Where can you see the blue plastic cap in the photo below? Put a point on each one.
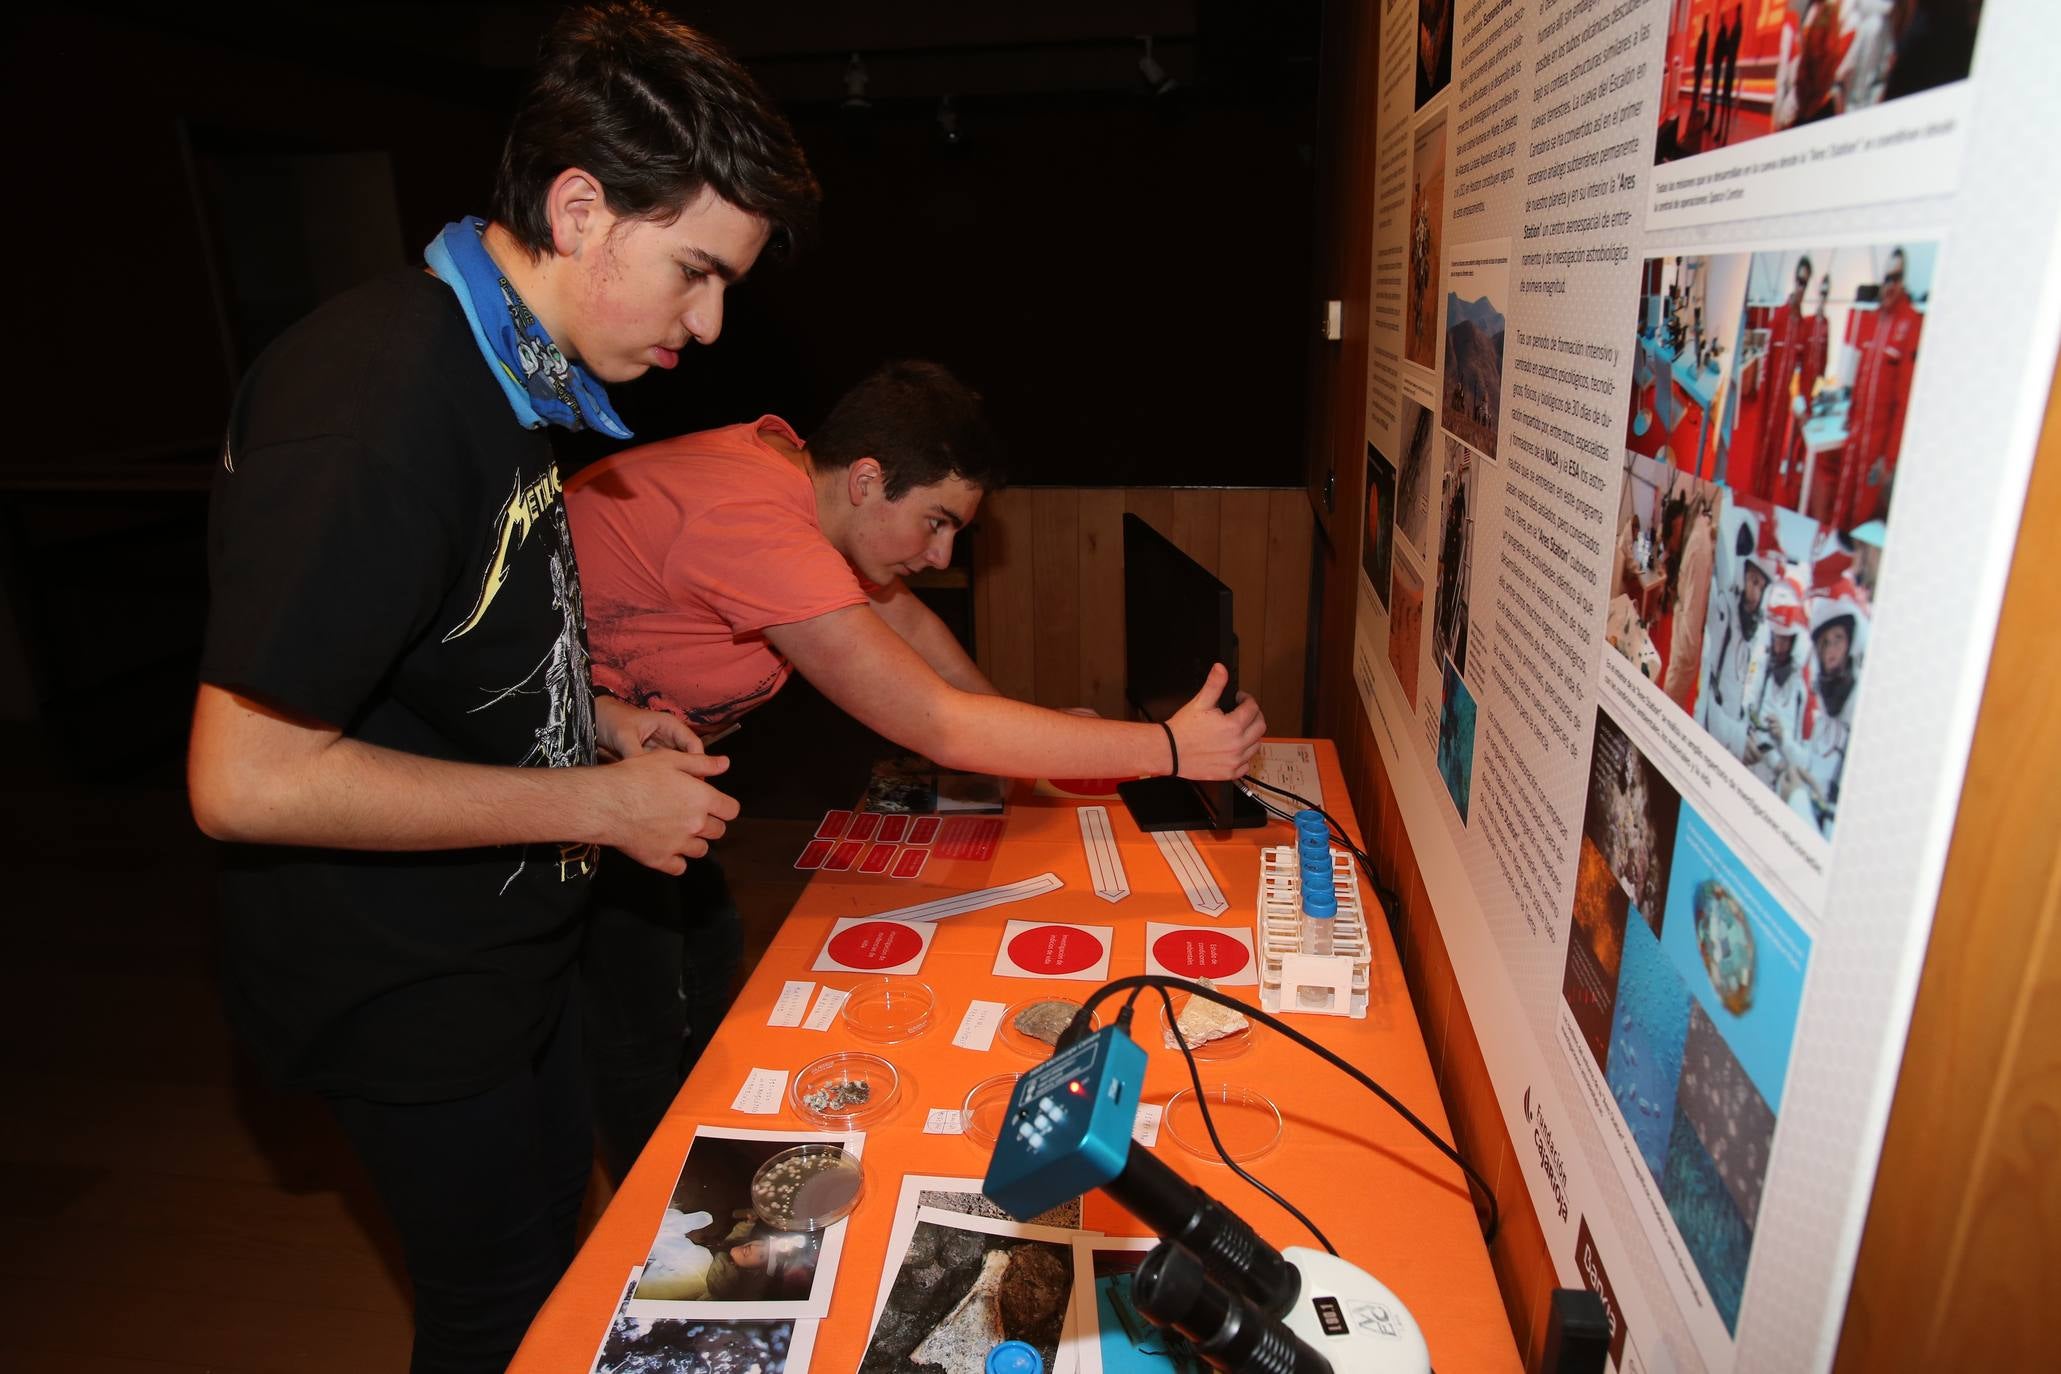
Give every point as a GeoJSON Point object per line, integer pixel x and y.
{"type": "Point", "coordinates": [1309, 822]}
{"type": "Point", "coordinates": [1322, 905]}
{"type": "Point", "coordinates": [1015, 1357]}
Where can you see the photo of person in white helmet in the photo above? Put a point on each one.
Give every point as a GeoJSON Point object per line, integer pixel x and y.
{"type": "Point", "coordinates": [1775, 702]}
{"type": "Point", "coordinates": [1838, 631]}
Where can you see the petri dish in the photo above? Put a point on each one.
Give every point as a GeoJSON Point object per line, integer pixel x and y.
{"type": "Point", "coordinates": [807, 1188]}
{"type": "Point", "coordinates": [1046, 1015]}
{"type": "Point", "coordinates": [1247, 1122]}
{"type": "Point", "coordinates": [846, 1090]}
{"type": "Point", "coordinates": [888, 1010]}
{"type": "Point", "coordinates": [986, 1105]}
{"type": "Point", "coordinates": [1220, 1047]}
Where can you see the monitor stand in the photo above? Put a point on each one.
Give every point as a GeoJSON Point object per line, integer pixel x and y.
{"type": "Point", "coordinates": [1175, 804]}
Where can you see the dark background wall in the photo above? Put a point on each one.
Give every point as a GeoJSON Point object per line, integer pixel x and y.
{"type": "Point", "coordinates": [1126, 274]}
{"type": "Point", "coordinates": [1123, 273]}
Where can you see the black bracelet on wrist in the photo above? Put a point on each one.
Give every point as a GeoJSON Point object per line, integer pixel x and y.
{"type": "Point", "coordinates": [1172, 749]}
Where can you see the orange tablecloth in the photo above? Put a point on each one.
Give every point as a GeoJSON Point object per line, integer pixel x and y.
{"type": "Point", "coordinates": [1384, 1195]}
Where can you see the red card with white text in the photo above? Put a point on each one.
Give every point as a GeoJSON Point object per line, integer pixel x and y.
{"type": "Point", "coordinates": [865, 826]}
{"type": "Point", "coordinates": [894, 829]}
{"type": "Point", "coordinates": [1046, 949]}
{"type": "Point", "coordinates": [878, 857]}
{"type": "Point", "coordinates": [923, 830]}
{"type": "Point", "coordinates": [814, 853]}
{"type": "Point", "coordinates": [969, 837]}
{"type": "Point", "coordinates": [844, 856]}
{"type": "Point", "coordinates": [866, 944]}
{"type": "Point", "coordinates": [833, 826]}
{"type": "Point", "coordinates": [1222, 955]}
{"type": "Point", "coordinates": [911, 862]}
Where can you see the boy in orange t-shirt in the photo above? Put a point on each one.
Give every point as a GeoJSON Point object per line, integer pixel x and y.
{"type": "Point", "coordinates": [716, 564]}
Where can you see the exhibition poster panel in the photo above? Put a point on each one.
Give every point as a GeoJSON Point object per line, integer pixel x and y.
{"type": "Point", "coordinates": [1709, 343]}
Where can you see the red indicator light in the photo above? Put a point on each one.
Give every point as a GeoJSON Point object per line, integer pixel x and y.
{"type": "Point", "coordinates": [1075, 1088]}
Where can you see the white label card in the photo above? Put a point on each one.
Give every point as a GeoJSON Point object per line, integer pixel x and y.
{"type": "Point", "coordinates": [829, 1003]}
{"type": "Point", "coordinates": [1145, 1130]}
{"type": "Point", "coordinates": [794, 1000]}
{"type": "Point", "coordinates": [1291, 766]}
{"type": "Point", "coordinates": [977, 1028]}
{"type": "Point", "coordinates": [762, 1092]}
{"type": "Point", "coordinates": [943, 1121]}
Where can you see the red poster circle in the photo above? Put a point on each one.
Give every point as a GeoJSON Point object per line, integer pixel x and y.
{"type": "Point", "coordinates": [1200, 954]}
{"type": "Point", "coordinates": [876, 944]}
{"type": "Point", "coordinates": [1055, 949]}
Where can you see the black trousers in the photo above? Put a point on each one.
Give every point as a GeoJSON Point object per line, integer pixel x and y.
{"type": "Point", "coordinates": [485, 1191]}
{"type": "Point", "coordinates": [656, 974]}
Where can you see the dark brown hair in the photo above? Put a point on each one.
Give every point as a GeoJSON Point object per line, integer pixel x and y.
{"type": "Point", "coordinates": [654, 111]}
{"type": "Point", "coordinates": [919, 422]}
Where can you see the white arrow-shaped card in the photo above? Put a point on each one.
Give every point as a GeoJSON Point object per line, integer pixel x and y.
{"type": "Point", "coordinates": [1196, 880]}
{"type": "Point", "coordinates": [1105, 860]}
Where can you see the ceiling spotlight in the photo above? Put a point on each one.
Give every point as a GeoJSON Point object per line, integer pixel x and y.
{"type": "Point", "coordinates": [1156, 79]}
{"type": "Point", "coordinates": [855, 80]}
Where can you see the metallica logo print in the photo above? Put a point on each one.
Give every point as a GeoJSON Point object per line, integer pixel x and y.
{"type": "Point", "coordinates": [564, 736]}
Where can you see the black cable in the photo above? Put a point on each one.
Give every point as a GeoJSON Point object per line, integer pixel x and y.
{"type": "Point", "coordinates": [1208, 1123]}
{"type": "Point", "coordinates": [1079, 1025]}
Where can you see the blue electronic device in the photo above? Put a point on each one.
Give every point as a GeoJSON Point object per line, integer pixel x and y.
{"type": "Point", "coordinates": [1069, 1125]}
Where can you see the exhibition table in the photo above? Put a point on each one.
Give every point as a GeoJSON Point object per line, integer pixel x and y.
{"type": "Point", "coordinates": [1385, 1196]}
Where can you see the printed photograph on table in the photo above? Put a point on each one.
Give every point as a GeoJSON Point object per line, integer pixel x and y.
{"type": "Point", "coordinates": [912, 785]}
{"type": "Point", "coordinates": [1736, 70]}
{"type": "Point", "coordinates": [1660, 589]}
{"type": "Point", "coordinates": [1631, 817]}
{"type": "Point", "coordinates": [963, 1285]}
{"type": "Point", "coordinates": [1683, 349]}
{"type": "Point", "coordinates": [689, 1345]}
{"type": "Point", "coordinates": [1456, 739]}
{"type": "Point", "coordinates": [1427, 237]}
{"type": "Point", "coordinates": [1114, 1337]}
{"type": "Point", "coordinates": [1434, 47]}
{"type": "Point", "coordinates": [713, 1256]}
{"type": "Point", "coordinates": [1477, 295]}
{"type": "Point", "coordinates": [1417, 476]}
{"type": "Point", "coordinates": [1456, 517]}
{"type": "Point", "coordinates": [1378, 549]}
{"type": "Point", "coordinates": [952, 1193]}
{"type": "Point", "coordinates": [1406, 629]}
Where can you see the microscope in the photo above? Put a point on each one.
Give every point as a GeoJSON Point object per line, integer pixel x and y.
{"type": "Point", "coordinates": [1246, 1307]}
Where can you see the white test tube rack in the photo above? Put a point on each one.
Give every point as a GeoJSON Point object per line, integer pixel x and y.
{"type": "Point", "coordinates": [1332, 984]}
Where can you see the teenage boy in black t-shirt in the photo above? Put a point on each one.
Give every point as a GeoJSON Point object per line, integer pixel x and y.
{"type": "Point", "coordinates": [395, 716]}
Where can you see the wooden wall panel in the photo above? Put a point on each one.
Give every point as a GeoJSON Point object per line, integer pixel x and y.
{"type": "Point", "coordinates": [1287, 630]}
{"type": "Point", "coordinates": [1102, 606]}
{"type": "Point", "coordinates": [1055, 629]}
{"type": "Point", "coordinates": [1005, 561]}
{"type": "Point", "coordinates": [1048, 588]}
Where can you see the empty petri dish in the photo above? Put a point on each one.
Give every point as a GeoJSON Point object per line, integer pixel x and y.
{"type": "Point", "coordinates": [887, 1010]}
{"type": "Point", "coordinates": [807, 1188]}
{"type": "Point", "coordinates": [1229, 1045]}
{"type": "Point", "coordinates": [1247, 1122]}
{"type": "Point", "coordinates": [845, 1090]}
{"type": "Point", "coordinates": [987, 1103]}
{"type": "Point", "coordinates": [1032, 1027]}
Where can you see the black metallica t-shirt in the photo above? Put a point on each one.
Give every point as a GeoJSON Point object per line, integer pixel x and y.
{"type": "Point", "coordinates": [388, 553]}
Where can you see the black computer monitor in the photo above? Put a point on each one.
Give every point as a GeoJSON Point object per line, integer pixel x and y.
{"type": "Point", "coordinates": [1177, 622]}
